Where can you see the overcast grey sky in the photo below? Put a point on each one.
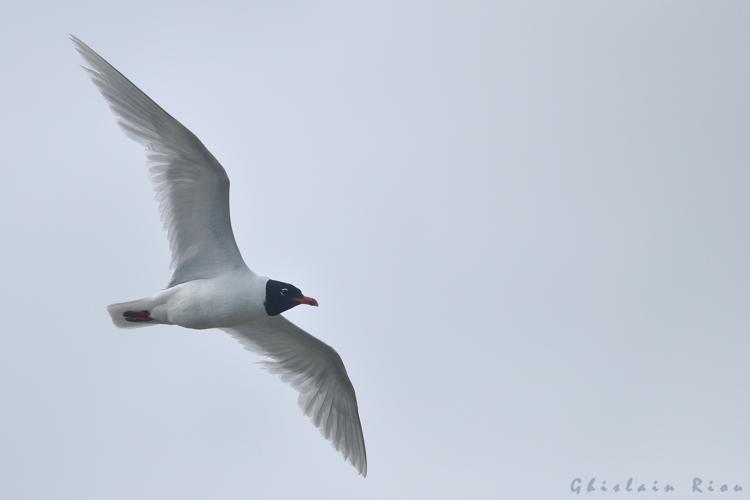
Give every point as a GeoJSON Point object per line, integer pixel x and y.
{"type": "Point", "coordinates": [526, 223]}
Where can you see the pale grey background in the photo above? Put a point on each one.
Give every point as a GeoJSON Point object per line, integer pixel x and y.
{"type": "Point", "coordinates": [526, 223]}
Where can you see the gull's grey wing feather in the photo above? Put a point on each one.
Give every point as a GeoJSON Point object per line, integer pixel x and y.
{"type": "Point", "coordinates": [191, 185]}
{"type": "Point", "coordinates": [315, 369]}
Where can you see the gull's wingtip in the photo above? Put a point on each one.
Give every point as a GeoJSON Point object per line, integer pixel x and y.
{"type": "Point", "coordinates": [80, 46]}
{"type": "Point", "coordinates": [361, 467]}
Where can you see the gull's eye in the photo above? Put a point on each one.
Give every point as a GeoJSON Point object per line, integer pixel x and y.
{"type": "Point", "coordinates": [284, 291]}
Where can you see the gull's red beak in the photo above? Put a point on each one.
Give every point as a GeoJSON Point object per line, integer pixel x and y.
{"type": "Point", "coordinates": [307, 300]}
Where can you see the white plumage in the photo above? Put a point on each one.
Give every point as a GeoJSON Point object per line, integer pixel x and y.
{"type": "Point", "coordinates": [211, 287]}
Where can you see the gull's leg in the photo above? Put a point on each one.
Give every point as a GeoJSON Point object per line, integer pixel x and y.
{"type": "Point", "coordinates": [137, 316]}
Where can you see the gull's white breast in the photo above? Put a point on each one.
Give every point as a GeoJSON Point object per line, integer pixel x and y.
{"type": "Point", "coordinates": [226, 300]}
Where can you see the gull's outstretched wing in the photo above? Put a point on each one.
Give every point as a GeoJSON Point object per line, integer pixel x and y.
{"type": "Point", "coordinates": [326, 394]}
{"type": "Point", "coordinates": [191, 185]}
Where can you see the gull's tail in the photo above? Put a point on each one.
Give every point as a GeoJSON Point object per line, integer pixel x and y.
{"type": "Point", "coordinates": [133, 314]}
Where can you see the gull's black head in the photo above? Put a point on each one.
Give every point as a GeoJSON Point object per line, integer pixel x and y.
{"type": "Point", "coordinates": [281, 297]}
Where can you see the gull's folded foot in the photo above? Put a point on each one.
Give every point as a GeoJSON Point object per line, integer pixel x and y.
{"type": "Point", "coordinates": [137, 316]}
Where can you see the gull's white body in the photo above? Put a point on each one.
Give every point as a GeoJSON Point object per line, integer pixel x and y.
{"type": "Point", "coordinates": [211, 287]}
{"type": "Point", "coordinates": [224, 301]}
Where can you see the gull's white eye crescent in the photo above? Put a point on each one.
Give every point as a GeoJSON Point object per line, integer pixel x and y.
{"type": "Point", "coordinates": [284, 290]}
